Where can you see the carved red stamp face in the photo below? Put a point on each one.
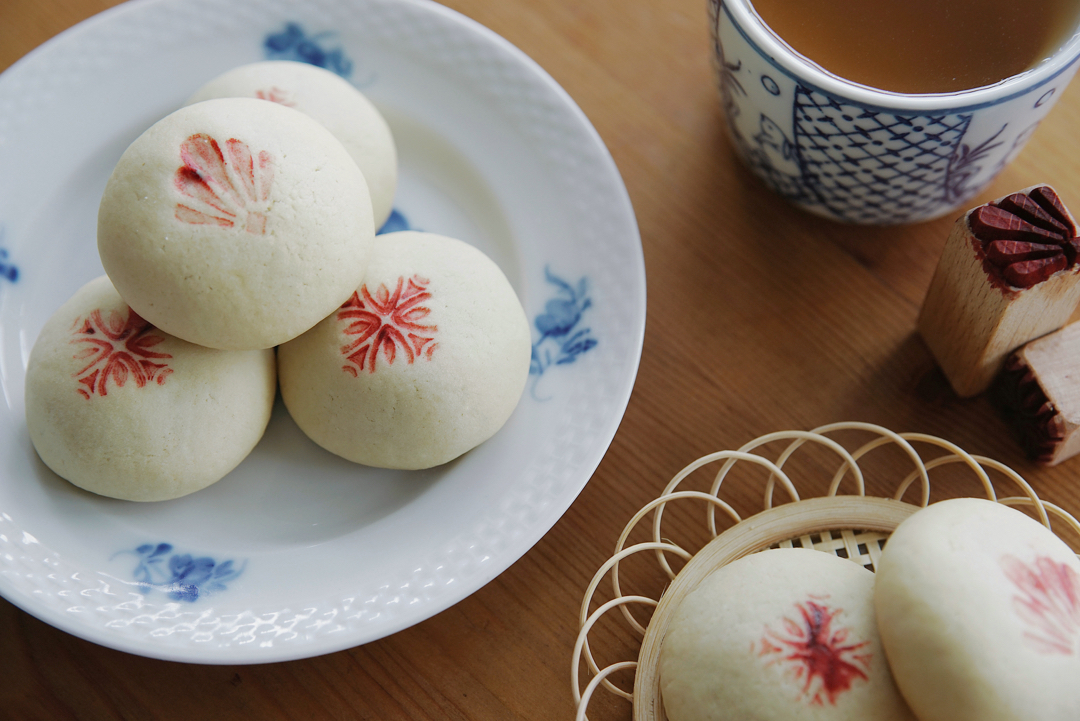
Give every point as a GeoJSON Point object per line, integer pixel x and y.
{"type": "Point", "coordinates": [815, 651]}
{"type": "Point", "coordinates": [116, 349]}
{"type": "Point", "coordinates": [385, 322]}
{"type": "Point", "coordinates": [227, 188]}
{"type": "Point", "coordinates": [1048, 601]}
{"type": "Point", "coordinates": [276, 95]}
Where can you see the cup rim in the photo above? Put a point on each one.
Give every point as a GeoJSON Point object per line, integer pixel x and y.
{"type": "Point", "coordinates": [784, 58]}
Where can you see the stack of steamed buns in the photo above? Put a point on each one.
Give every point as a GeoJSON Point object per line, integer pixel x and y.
{"type": "Point", "coordinates": [973, 614]}
{"type": "Point", "coordinates": [242, 223]}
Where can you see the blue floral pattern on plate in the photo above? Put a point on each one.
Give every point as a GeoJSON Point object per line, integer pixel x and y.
{"type": "Point", "coordinates": [395, 223]}
{"type": "Point", "coordinates": [182, 576]}
{"type": "Point", "coordinates": [561, 340]}
{"type": "Point", "coordinates": [8, 271]}
{"type": "Point", "coordinates": [293, 43]}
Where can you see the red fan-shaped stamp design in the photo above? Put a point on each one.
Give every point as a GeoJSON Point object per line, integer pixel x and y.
{"type": "Point", "coordinates": [816, 652]}
{"type": "Point", "coordinates": [1048, 602]}
{"type": "Point", "coordinates": [116, 349]}
{"type": "Point", "coordinates": [227, 187]}
{"type": "Point", "coordinates": [276, 95]}
{"type": "Point", "coordinates": [385, 322]}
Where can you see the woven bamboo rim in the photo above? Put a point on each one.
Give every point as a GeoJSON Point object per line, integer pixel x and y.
{"type": "Point", "coordinates": [855, 526]}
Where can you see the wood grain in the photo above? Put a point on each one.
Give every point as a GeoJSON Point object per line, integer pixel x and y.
{"type": "Point", "coordinates": [760, 318]}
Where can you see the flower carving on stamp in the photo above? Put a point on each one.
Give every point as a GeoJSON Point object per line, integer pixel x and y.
{"type": "Point", "coordinates": [117, 349]}
{"type": "Point", "coordinates": [1047, 601]}
{"type": "Point", "coordinates": [817, 652]}
{"type": "Point", "coordinates": [387, 321]}
{"type": "Point", "coordinates": [227, 187]}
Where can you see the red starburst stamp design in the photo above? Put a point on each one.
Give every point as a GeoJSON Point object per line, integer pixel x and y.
{"type": "Point", "coordinates": [387, 321]}
{"type": "Point", "coordinates": [815, 653]}
{"type": "Point", "coordinates": [1048, 602]}
{"type": "Point", "coordinates": [224, 188]}
{"type": "Point", "coordinates": [276, 95]}
{"type": "Point", "coordinates": [116, 349]}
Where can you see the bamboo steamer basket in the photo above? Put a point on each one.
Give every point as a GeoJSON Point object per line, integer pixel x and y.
{"type": "Point", "coordinates": [854, 526]}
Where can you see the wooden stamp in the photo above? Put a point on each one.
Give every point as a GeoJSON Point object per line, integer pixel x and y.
{"type": "Point", "coordinates": [1039, 392]}
{"type": "Point", "coordinates": [1008, 274]}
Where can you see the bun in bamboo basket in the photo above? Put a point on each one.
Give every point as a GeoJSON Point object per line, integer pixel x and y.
{"type": "Point", "coordinates": [854, 526]}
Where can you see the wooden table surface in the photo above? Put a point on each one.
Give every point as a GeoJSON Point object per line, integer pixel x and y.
{"type": "Point", "coordinates": [760, 318]}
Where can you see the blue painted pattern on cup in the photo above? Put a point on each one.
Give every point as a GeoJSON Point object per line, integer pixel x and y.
{"type": "Point", "coordinates": [860, 155]}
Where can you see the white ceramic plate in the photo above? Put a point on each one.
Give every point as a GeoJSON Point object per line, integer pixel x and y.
{"type": "Point", "coordinates": [298, 553]}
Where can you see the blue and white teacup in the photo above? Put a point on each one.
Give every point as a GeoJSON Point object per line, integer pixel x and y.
{"type": "Point", "coordinates": [860, 155]}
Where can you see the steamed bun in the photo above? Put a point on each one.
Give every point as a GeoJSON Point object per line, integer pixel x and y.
{"type": "Point", "coordinates": [778, 635]}
{"type": "Point", "coordinates": [979, 610]}
{"type": "Point", "coordinates": [235, 223]}
{"type": "Point", "coordinates": [426, 360]}
{"type": "Point", "coordinates": [334, 103]}
{"type": "Point", "coordinates": [122, 409]}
